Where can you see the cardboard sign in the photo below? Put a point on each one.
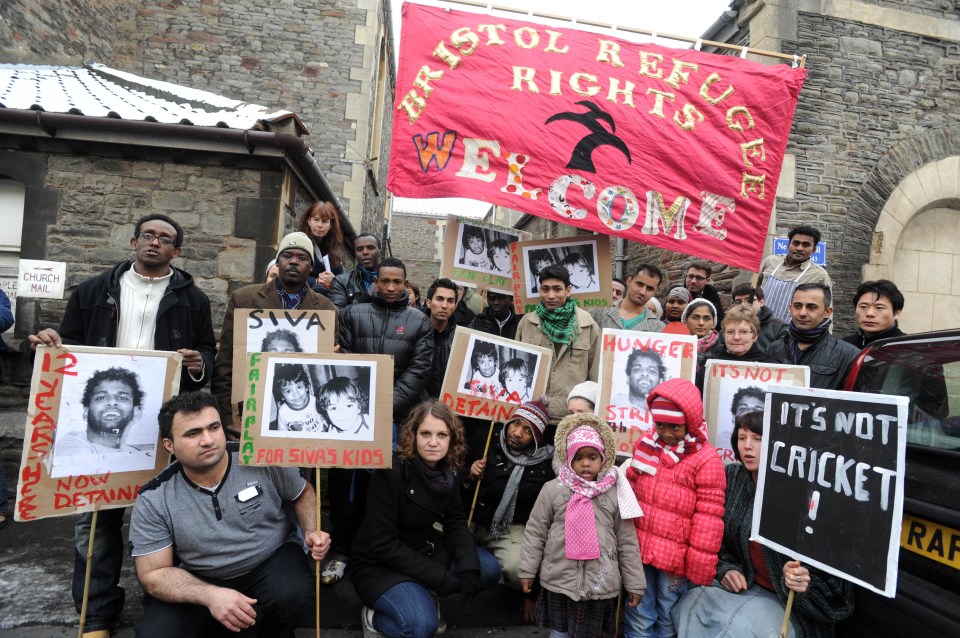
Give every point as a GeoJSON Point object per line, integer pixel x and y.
{"type": "Point", "coordinates": [830, 489]}
{"type": "Point", "coordinates": [41, 279]}
{"type": "Point", "coordinates": [488, 376]}
{"type": "Point", "coordinates": [631, 364]}
{"type": "Point", "coordinates": [587, 259]}
{"type": "Point", "coordinates": [478, 255]}
{"type": "Point", "coordinates": [257, 330]}
{"type": "Point", "coordinates": [326, 410]}
{"type": "Point", "coordinates": [92, 436]}
{"type": "Point", "coordinates": [731, 388]}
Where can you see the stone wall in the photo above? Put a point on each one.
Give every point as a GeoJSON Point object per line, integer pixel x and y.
{"type": "Point", "coordinates": [60, 32]}
{"type": "Point", "coordinates": [415, 240]}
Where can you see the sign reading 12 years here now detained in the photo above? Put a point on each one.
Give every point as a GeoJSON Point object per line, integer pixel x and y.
{"type": "Point", "coordinates": [675, 148]}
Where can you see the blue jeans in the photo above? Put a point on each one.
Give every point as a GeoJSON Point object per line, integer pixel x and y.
{"type": "Point", "coordinates": [651, 618]}
{"type": "Point", "coordinates": [407, 610]}
{"type": "Point", "coordinates": [105, 600]}
{"type": "Point", "coordinates": [713, 612]}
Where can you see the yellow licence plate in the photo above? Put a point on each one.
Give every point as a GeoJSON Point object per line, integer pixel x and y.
{"type": "Point", "coordinates": [934, 541]}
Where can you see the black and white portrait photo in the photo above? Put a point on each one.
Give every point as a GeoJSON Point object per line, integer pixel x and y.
{"type": "Point", "coordinates": [320, 400]}
{"type": "Point", "coordinates": [580, 260]}
{"type": "Point", "coordinates": [108, 416]}
{"type": "Point", "coordinates": [497, 371]}
{"type": "Point", "coordinates": [484, 250]}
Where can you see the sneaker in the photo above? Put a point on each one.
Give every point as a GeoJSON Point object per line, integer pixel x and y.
{"type": "Point", "coordinates": [366, 621]}
{"type": "Point", "coordinates": [441, 623]}
{"type": "Point", "coordinates": [333, 572]}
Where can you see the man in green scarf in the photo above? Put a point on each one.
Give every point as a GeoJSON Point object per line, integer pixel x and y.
{"type": "Point", "coordinates": [570, 332]}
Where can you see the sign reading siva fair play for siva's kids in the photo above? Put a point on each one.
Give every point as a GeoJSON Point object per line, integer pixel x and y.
{"type": "Point", "coordinates": [586, 259]}
{"type": "Point", "coordinates": [731, 389]}
{"type": "Point", "coordinates": [494, 375]}
{"type": "Point", "coordinates": [92, 437]}
{"type": "Point", "coordinates": [257, 330]}
{"type": "Point", "coordinates": [830, 489]}
{"type": "Point", "coordinates": [632, 363]}
{"type": "Point", "coordinates": [675, 148]}
{"type": "Point", "coordinates": [478, 255]}
{"type": "Point", "coordinates": [318, 410]}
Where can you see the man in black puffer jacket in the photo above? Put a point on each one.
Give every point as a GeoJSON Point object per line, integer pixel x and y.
{"type": "Point", "coordinates": [387, 324]}
{"type": "Point", "coordinates": [441, 303]}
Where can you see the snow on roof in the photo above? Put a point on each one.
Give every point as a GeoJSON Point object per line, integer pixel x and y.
{"type": "Point", "coordinates": [96, 90]}
{"type": "Point", "coordinates": [441, 207]}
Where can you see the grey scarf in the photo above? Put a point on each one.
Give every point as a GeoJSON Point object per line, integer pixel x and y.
{"type": "Point", "coordinates": [503, 517]}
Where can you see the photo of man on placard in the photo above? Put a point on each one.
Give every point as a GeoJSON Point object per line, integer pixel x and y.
{"type": "Point", "coordinates": [643, 371]}
{"type": "Point", "coordinates": [320, 400]}
{"type": "Point", "coordinates": [114, 435]}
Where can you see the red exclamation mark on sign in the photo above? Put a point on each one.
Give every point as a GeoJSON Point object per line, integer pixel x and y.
{"type": "Point", "coordinates": [812, 509]}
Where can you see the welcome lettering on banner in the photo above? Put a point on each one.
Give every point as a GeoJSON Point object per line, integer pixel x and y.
{"type": "Point", "coordinates": [669, 147]}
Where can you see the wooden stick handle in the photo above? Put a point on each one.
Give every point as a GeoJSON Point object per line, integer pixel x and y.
{"type": "Point", "coordinates": [316, 483]}
{"type": "Point", "coordinates": [476, 490]}
{"type": "Point", "coordinates": [786, 615]}
{"type": "Point", "coordinates": [86, 576]}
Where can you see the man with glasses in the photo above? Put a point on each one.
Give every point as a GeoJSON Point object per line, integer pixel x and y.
{"type": "Point", "coordinates": [698, 283]}
{"type": "Point", "coordinates": [781, 274]}
{"type": "Point", "coordinates": [139, 304]}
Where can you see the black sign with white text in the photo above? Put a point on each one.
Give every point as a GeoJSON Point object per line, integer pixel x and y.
{"type": "Point", "coordinates": [830, 489]}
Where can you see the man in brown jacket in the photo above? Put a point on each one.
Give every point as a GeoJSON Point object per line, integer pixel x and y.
{"type": "Point", "coordinates": [570, 332]}
{"type": "Point", "coordinates": [288, 291]}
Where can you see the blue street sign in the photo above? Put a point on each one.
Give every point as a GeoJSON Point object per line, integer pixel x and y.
{"type": "Point", "coordinates": [819, 256]}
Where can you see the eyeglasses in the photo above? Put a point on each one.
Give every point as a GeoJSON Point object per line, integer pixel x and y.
{"type": "Point", "coordinates": [697, 277]}
{"type": "Point", "coordinates": [149, 237]}
{"type": "Point", "coordinates": [737, 333]}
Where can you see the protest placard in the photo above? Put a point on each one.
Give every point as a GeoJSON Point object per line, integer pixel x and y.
{"type": "Point", "coordinates": [732, 388]}
{"type": "Point", "coordinates": [258, 330]}
{"type": "Point", "coordinates": [478, 255]}
{"type": "Point", "coordinates": [587, 260]}
{"type": "Point", "coordinates": [676, 148]}
{"type": "Point", "coordinates": [318, 410]}
{"type": "Point", "coordinates": [92, 436]}
{"type": "Point", "coordinates": [830, 488]}
{"type": "Point", "coordinates": [488, 376]}
{"type": "Point", "coordinates": [631, 364]}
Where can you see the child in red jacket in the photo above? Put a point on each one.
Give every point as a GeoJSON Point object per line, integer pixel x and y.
{"type": "Point", "coordinates": [679, 482]}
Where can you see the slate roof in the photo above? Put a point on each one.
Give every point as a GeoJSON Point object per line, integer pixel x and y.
{"type": "Point", "coordinates": [98, 91]}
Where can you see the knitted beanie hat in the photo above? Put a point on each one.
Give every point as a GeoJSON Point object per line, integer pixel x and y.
{"type": "Point", "coordinates": [679, 291]}
{"type": "Point", "coordinates": [535, 412]}
{"type": "Point", "coordinates": [586, 390]}
{"type": "Point", "coordinates": [296, 240]}
{"type": "Point", "coordinates": [664, 410]}
{"type": "Point", "coordinates": [584, 436]}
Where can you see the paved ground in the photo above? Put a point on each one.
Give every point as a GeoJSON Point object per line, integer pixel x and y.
{"type": "Point", "coordinates": [36, 562]}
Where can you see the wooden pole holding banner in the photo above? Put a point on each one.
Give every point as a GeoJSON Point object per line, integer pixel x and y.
{"type": "Point", "coordinates": [476, 490]}
{"type": "Point", "coordinates": [316, 484]}
{"type": "Point", "coordinates": [786, 615]}
{"type": "Point", "coordinates": [86, 576]}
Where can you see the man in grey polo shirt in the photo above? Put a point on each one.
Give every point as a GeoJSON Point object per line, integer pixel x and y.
{"type": "Point", "coordinates": [239, 562]}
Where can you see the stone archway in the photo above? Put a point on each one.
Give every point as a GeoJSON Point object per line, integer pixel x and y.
{"type": "Point", "coordinates": [916, 244]}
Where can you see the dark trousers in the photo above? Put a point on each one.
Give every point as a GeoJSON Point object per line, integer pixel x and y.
{"type": "Point", "coordinates": [105, 599]}
{"type": "Point", "coordinates": [281, 585]}
{"type": "Point", "coordinates": [348, 507]}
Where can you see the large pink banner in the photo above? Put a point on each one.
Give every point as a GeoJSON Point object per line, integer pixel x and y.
{"type": "Point", "coordinates": [669, 147]}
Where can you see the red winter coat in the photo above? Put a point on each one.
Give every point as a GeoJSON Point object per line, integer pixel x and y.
{"type": "Point", "coordinates": [682, 523]}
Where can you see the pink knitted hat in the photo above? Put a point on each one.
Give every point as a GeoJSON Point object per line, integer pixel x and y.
{"type": "Point", "coordinates": [584, 436]}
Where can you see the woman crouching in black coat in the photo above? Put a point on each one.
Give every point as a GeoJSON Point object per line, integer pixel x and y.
{"type": "Point", "coordinates": [400, 557]}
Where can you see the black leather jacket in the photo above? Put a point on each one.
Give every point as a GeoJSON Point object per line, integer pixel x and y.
{"type": "Point", "coordinates": [829, 359]}
{"type": "Point", "coordinates": [346, 288]}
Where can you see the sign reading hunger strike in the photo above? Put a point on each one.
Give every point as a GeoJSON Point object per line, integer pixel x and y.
{"type": "Point", "coordinates": [830, 489]}
{"type": "Point", "coordinates": [631, 365]}
{"type": "Point", "coordinates": [675, 148]}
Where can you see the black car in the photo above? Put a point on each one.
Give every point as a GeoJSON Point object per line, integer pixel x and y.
{"type": "Point", "coordinates": [925, 368]}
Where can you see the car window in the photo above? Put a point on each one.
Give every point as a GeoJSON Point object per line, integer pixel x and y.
{"type": "Point", "coordinates": [929, 375]}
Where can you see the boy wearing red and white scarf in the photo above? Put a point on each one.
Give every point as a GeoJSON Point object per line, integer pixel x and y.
{"type": "Point", "coordinates": [579, 537]}
{"type": "Point", "coordinates": [679, 482]}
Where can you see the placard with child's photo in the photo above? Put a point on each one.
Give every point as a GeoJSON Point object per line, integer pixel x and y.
{"type": "Point", "coordinates": [633, 363]}
{"type": "Point", "coordinates": [259, 330]}
{"type": "Point", "coordinates": [478, 255]}
{"type": "Point", "coordinates": [586, 260]}
{"type": "Point", "coordinates": [319, 410]}
{"type": "Point", "coordinates": [92, 423]}
{"type": "Point", "coordinates": [488, 375]}
{"type": "Point", "coordinates": [731, 389]}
